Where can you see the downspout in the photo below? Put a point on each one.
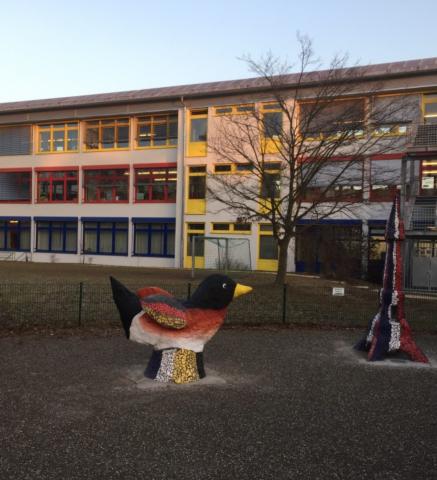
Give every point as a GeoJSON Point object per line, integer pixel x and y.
{"type": "Point", "coordinates": [180, 195]}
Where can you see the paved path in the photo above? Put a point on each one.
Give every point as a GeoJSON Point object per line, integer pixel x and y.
{"type": "Point", "coordinates": [278, 405]}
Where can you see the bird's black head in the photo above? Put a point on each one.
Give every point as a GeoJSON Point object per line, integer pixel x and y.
{"type": "Point", "coordinates": [216, 292]}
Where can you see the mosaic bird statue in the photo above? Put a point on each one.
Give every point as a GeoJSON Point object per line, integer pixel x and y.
{"type": "Point", "coordinates": [178, 330]}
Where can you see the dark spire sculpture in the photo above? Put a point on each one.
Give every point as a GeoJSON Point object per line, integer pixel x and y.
{"type": "Point", "coordinates": [389, 332]}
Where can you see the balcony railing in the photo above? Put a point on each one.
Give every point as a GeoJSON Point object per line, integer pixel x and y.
{"type": "Point", "coordinates": [422, 137]}
{"type": "Point", "coordinates": [423, 218]}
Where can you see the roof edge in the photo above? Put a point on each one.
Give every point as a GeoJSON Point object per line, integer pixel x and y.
{"type": "Point", "coordinates": [409, 68]}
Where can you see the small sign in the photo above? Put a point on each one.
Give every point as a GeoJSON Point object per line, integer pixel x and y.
{"type": "Point", "coordinates": [338, 291]}
{"type": "Point", "coordinates": [427, 182]}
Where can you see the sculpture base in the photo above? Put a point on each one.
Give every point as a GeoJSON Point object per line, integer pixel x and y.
{"type": "Point", "coordinates": [175, 365]}
{"type": "Point", "coordinates": [379, 345]}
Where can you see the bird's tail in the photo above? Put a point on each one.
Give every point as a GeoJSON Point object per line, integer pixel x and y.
{"type": "Point", "coordinates": [127, 302]}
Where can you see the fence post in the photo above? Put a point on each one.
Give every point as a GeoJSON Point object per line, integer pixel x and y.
{"type": "Point", "coordinates": [189, 290]}
{"type": "Point", "coordinates": [80, 304]}
{"type": "Point", "coordinates": [284, 303]}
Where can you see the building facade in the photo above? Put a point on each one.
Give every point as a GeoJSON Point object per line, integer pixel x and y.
{"type": "Point", "coordinates": [121, 179]}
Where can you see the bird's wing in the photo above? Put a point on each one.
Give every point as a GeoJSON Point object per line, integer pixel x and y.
{"type": "Point", "coordinates": [165, 310]}
{"type": "Point", "coordinates": [147, 291]}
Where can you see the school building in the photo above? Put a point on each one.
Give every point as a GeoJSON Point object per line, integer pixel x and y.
{"type": "Point", "coordinates": [121, 178]}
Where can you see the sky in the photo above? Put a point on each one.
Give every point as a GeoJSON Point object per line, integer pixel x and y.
{"type": "Point", "coordinates": [57, 48]}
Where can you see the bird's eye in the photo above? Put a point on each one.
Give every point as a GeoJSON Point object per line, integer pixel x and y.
{"type": "Point", "coordinates": [224, 286]}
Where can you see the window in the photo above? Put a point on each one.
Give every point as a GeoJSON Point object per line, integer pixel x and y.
{"type": "Point", "coordinates": [106, 185]}
{"type": "Point", "coordinates": [234, 109]}
{"type": "Point", "coordinates": [221, 227]}
{"type": "Point", "coordinates": [153, 239]}
{"type": "Point", "coordinates": [59, 137]}
{"type": "Point", "coordinates": [385, 179]}
{"type": "Point", "coordinates": [155, 184]}
{"type": "Point", "coordinates": [15, 234]}
{"type": "Point", "coordinates": [430, 108]}
{"type": "Point", "coordinates": [197, 183]}
{"type": "Point", "coordinates": [105, 237]}
{"type": "Point", "coordinates": [223, 168]}
{"type": "Point", "coordinates": [57, 186]}
{"type": "Point", "coordinates": [390, 115]}
{"type": "Point", "coordinates": [425, 248]}
{"type": "Point", "coordinates": [334, 180]}
{"type": "Point", "coordinates": [157, 131]}
{"type": "Point", "coordinates": [243, 167]}
{"type": "Point", "coordinates": [429, 178]}
{"type": "Point", "coordinates": [16, 140]}
{"type": "Point", "coordinates": [233, 168]}
{"type": "Point", "coordinates": [241, 228]}
{"type": "Point", "coordinates": [15, 186]}
{"type": "Point", "coordinates": [268, 246]}
{"type": "Point", "coordinates": [199, 125]}
{"type": "Point", "coordinates": [389, 130]}
{"type": "Point", "coordinates": [198, 132]}
{"type": "Point", "coordinates": [271, 120]}
{"type": "Point", "coordinates": [56, 236]}
{"type": "Point", "coordinates": [377, 243]}
{"type": "Point", "coordinates": [332, 119]}
{"type": "Point", "coordinates": [270, 185]}
{"type": "Point", "coordinates": [195, 230]}
{"type": "Point", "coordinates": [107, 134]}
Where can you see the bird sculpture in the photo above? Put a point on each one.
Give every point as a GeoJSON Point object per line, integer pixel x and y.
{"type": "Point", "coordinates": [177, 329]}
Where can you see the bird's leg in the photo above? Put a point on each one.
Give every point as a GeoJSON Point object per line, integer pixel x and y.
{"type": "Point", "coordinates": [175, 365]}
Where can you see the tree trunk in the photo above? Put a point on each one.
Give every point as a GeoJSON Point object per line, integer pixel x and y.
{"type": "Point", "coordinates": [282, 261]}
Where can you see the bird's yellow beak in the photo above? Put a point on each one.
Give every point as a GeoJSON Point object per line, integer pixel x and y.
{"type": "Point", "coordinates": [241, 290]}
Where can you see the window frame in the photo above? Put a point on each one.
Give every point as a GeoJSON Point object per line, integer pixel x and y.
{"type": "Point", "coordinates": [234, 168]}
{"type": "Point", "coordinates": [231, 230]}
{"type": "Point", "coordinates": [21, 224]}
{"type": "Point", "coordinates": [64, 229]}
{"type": "Point", "coordinates": [51, 179]}
{"type": "Point", "coordinates": [193, 173]}
{"type": "Point", "coordinates": [30, 181]}
{"type": "Point", "coordinates": [263, 193]}
{"type": "Point", "coordinates": [197, 148]}
{"type": "Point", "coordinates": [428, 168]}
{"type": "Point", "coordinates": [394, 129]}
{"type": "Point", "coordinates": [24, 148]}
{"type": "Point", "coordinates": [141, 120]}
{"type": "Point", "coordinates": [194, 232]}
{"type": "Point", "coordinates": [86, 169]}
{"type": "Point", "coordinates": [98, 229]}
{"type": "Point", "coordinates": [57, 127]}
{"type": "Point", "coordinates": [424, 103]}
{"type": "Point", "coordinates": [266, 108]}
{"type": "Point", "coordinates": [117, 122]}
{"type": "Point", "coordinates": [323, 136]}
{"type": "Point", "coordinates": [167, 167]}
{"type": "Point", "coordinates": [313, 192]}
{"type": "Point", "coordinates": [150, 226]}
{"type": "Point", "coordinates": [234, 109]}
{"type": "Point", "coordinates": [266, 232]}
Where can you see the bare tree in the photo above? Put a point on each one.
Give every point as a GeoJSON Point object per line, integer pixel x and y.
{"type": "Point", "coordinates": [303, 147]}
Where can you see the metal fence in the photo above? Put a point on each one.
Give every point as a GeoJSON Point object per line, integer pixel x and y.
{"type": "Point", "coordinates": [64, 305]}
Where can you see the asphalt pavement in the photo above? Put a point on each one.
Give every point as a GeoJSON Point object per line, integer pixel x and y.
{"type": "Point", "coordinates": [284, 404]}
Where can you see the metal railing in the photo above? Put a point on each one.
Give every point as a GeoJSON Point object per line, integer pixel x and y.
{"type": "Point", "coordinates": [7, 256]}
{"type": "Point", "coordinates": [66, 305]}
{"type": "Point", "coordinates": [423, 217]}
